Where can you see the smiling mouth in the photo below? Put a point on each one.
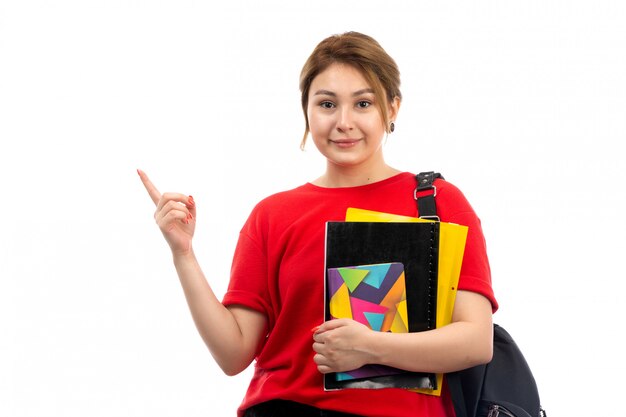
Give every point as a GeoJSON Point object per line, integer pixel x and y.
{"type": "Point", "coordinates": [345, 143]}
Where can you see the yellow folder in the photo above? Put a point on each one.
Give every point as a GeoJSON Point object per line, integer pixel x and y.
{"type": "Point", "coordinates": [452, 239]}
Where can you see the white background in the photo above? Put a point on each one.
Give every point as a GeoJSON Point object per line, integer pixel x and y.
{"type": "Point", "coordinates": [520, 104]}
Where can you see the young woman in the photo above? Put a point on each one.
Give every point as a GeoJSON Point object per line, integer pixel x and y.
{"type": "Point", "coordinates": [350, 98]}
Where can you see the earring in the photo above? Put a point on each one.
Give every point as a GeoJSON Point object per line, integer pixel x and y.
{"type": "Point", "coordinates": [392, 127]}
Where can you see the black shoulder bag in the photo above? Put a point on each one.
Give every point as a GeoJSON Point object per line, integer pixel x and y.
{"type": "Point", "coordinates": [504, 387]}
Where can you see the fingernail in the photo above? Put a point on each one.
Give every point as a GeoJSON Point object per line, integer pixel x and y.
{"type": "Point", "coordinates": [190, 201]}
{"type": "Point", "coordinates": [316, 328]}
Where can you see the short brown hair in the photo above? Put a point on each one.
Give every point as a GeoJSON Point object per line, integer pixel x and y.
{"type": "Point", "coordinates": [361, 52]}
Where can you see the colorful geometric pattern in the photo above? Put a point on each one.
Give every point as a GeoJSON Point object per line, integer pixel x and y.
{"type": "Point", "coordinates": [374, 295]}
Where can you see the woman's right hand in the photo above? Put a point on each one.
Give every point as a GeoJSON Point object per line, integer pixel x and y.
{"type": "Point", "coordinates": [175, 214]}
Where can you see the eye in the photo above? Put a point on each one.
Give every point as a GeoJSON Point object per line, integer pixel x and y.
{"type": "Point", "coordinates": [327, 105]}
{"type": "Point", "coordinates": [363, 104]}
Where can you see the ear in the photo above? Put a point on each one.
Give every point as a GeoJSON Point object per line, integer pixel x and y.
{"type": "Point", "coordinates": [394, 108]}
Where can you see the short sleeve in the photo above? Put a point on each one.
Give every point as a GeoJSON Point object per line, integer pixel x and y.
{"type": "Point", "coordinates": [248, 284]}
{"type": "Point", "coordinates": [475, 271]}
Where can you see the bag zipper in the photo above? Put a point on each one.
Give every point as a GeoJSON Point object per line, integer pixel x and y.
{"type": "Point", "coordinates": [495, 410]}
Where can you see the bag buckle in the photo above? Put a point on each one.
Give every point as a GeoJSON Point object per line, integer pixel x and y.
{"type": "Point", "coordinates": [426, 192]}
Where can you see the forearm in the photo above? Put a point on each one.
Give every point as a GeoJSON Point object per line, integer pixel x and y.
{"type": "Point", "coordinates": [231, 334]}
{"type": "Point", "coordinates": [344, 344]}
{"type": "Point", "coordinates": [451, 348]}
{"type": "Point", "coordinates": [232, 348]}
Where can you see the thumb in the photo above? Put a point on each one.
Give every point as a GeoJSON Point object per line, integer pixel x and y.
{"type": "Point", "coordinates": [330, 325]}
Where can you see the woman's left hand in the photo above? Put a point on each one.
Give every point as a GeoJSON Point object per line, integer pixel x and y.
{"type": "Point", "coordinates": [341, 345]}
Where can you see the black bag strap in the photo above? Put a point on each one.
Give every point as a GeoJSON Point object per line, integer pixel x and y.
{"type": "Point", "coordinates": [455, 387]}
{"type": "Point", "coordinates": [425, 193]}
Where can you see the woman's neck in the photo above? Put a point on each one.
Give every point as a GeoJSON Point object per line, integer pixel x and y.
{"type": "Point", "coordinates": [338, 176]}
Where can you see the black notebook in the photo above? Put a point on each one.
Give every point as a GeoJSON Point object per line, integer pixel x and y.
{"type": "Point", "coordinates": [383, 275]}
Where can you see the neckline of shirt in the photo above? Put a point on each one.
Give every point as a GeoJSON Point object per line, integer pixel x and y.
{"type": "Point", "coordinates": [397, 177]}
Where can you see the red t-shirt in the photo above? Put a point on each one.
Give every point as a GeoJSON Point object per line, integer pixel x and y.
{"type": "Point", "coordinates": [278, 269]}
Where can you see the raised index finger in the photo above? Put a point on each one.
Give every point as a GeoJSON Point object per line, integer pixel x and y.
{"type": "Point", "coordinates": [154, 194]}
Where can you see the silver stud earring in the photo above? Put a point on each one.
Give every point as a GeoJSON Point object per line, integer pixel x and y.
{"type": "Point", "coordinates": [392, 127]}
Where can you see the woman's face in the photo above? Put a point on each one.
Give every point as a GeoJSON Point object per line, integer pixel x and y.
{"type": "Point", "coordinates": [344, 118]}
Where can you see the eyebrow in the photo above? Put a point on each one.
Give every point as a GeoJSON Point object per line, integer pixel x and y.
{"type": "Point", "coordinates": [355, 94]}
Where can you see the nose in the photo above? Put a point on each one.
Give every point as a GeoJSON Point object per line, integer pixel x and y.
{"type": "Point", "coordinates": [345, 120]}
